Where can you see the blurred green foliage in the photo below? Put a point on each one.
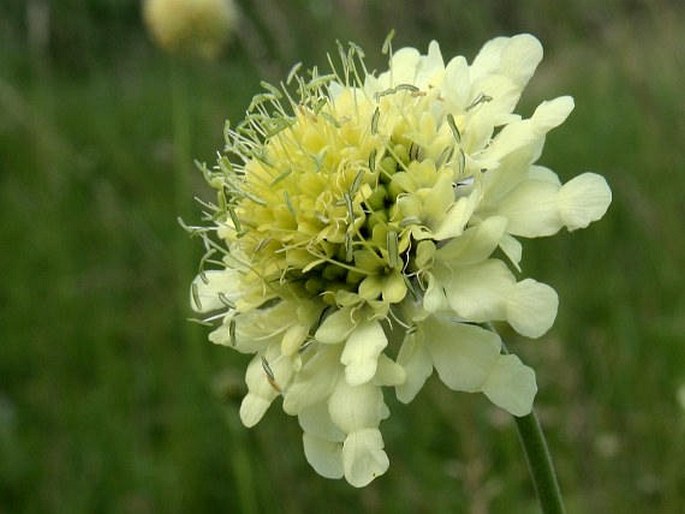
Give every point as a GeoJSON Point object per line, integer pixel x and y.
{"type": "Point", "coordinates": [109, 398]}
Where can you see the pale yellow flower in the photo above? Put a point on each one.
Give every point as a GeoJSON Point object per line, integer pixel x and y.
{"type": "Point", "coordinates": [360, 214]}
{"type": "Point", "coordinates": [194, 27]}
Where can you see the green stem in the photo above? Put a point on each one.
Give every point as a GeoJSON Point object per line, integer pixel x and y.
{"type": "Point", "coordinates": [540, 464]}
{"type": "Point", "coordinates": [182, 167]}
{"type": "Point", "coordinates": [243, 471]}
{"type": "Point", "coordinates": [538, 457]}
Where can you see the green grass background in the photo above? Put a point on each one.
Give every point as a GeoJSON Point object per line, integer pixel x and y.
{"type": "Point", "coordinates": [110, 402]}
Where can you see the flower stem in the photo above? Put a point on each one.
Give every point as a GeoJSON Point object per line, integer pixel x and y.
{"type": "Point", "coordinates": [540, 464]}
{"type": "Point", "coordinates": [538, 457]}
{"type": "Point", "coordinates": [182, 165]}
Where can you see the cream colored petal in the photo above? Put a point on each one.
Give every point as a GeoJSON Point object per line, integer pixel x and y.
{"type": "Point", "coordinates": [316, 421]}
{"type": "Point", "coordinates": [418, 365]}
{"type": "Point", "coordinates": [543, 174]}
{"type": "Point", "coordinates": [437, 200]}
{"type": "Point", "coordinates": [431, 68]}
{"type": "Point", "coordinates": [363, 457]}
{"type": "Point", "coordinates": [252, 409]}
{"type": "Point", "coordinates": [266, 322]}
{"type": "Point", "coordinates": [463, 355]}
{"type": "Point", "coordinates": [513, 169]}
{"type": "Point", "coordinates": [476, 133]}
{"type": "Point", "coordinates": [552, 113]}
{"type": "Point", "coordinates": [520, 57]}
{"type": "Point", "coordinates": [315, 381]}
{"type": "Point", "coordinates": [514, 136]}
{"type": "Point", "coordinates": [335, 327]}
{"type": "Point", "coordinates": [323, 455]}
{"type": "Point", "coordinates": [434, 299]}
{"type": "Point", "coordinates": [255, 330]}
{"type": "Point", "coordinates": [266, 376]}
{"type": "Point", "coordinates": [355, 407]}
{"type": "Point", "coordinates": [532, 209]}
{"type": "Point", "coordinates": [516, 58]}
{"type": "Point", "coordinates": [504, 94]}
{"type": "Point", "coordinates": [402, 67]}
{"type": "Point", "coordinates": [457, 216]}
{"type": "Point", "coordinates": [228, 335]}
{"type": "Point", "coordinates": [213, 290]}
{"type": "Point", "coordinates": [511, 385]}
{"type": "Point", "coordinates": [389, 373]}
{"type": "Point", "coordinates": [513, 249]}
{"type": "Point", "coordinates": [394, 287]}
{"type": "Point", "coordinates": [293, 338]}
{"type": "Point", "coordinates": [532, 307]}
{"type": "Point", "coordinates": [425, 254]}
{"type": "Point", "coordinates": [479, 292]}
{"type": "Point", "coordinates": [488, 58]}
{"type": "Point", "coordinates": [371, 287]}
{"type": "Point", "coordinates": [476, 244]}
{"type": "Point", "coordinates": [456, 87]}
{"type": "Point", "coordinates": [584, 199]}
{"type": "Point", "coordinates": [361, 352]}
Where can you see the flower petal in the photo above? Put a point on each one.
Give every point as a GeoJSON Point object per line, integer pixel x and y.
{"type": "Point", "coordinates": [517, 135]}
{"type": "Point", "coordinates": [456, 218]}
{"type": "Point", "coordinates": [543, 174]}
{"type": "Point", "coordinates": [520, 57]}
{"type": "Point", "coordinates": [253, 408]}
{"type": "Point", "coordinates": [478, 292]}
{"type": "Point", "coordinates": [511, 385]}
{"type": "Point", "coordinates": [488, 58]}
{"type": "Point", "coordinates": [293, 338]}
{"type": "Point", "coordinates": [513, 249]}
{"type": "Point", "coordinates": [417, 364]}
{"type": "Point", "coordinates": [456, 86]}
{"type": "Point", "coordinates": [532, 308]}
{"type": "Point", "coordinates": [430, 69]}
{"type": "Point", "coordinates": [316, 421]}
{"type": "Point", "coordinates": [463, 355]}
{"type": "Point", "coordinates": [403, 68]}
{"type": "Point", "coordinates": [266, 375]}
{"type": "Point", "coordinates": [394, 287]}
{"type": "Point", "coordinates": [213, 290]}
{"type": "Point", "coordinates": [476, 244]}
{"type": "Point", "coordinates": [532, 209]}
{"type": "Point", "coordinates": [315, 381]}
{"type": "Point", "coordinates": [335, 327]}
{"type": "Point", "coordinates": [361, 352]}
{"type": "Point", "coordinates": [389, 373]}
{"type": "Point", "coordinates": [434, 299]}
{"type": "Point", "coordinates": [584, 199]}
{"type": "Point", "coordinates": [363, 457]}
{"type": "Point", "coordinates": [355, 407]}
{"type": "Point", "coordinates": [323, 455]}
{"type": "Point", "coordinates": [552, 113]}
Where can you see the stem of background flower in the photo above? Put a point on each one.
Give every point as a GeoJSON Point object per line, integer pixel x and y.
{"type": "Point", "coordinates": [182, 157]}
{"type": "Point", "coordinates": [182, 167]}
{"type": "Point", "coordinates": [540, 464]}
{"type": "Point", "coordinates": [243, 471]}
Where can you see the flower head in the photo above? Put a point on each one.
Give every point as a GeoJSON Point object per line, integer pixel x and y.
{"type": "Point", "coordinates": [198, 27]}
{"type": "Point", "coordinates": [359, 217]}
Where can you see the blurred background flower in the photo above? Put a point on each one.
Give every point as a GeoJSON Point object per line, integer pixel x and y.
{"type": "Point", "coordinates": [190, 26]}
{"type": "Point", "coordinates": [106, 402]}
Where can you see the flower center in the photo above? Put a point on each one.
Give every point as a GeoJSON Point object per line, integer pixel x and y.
{"type": "Point", "coordinates": [337, 196]}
